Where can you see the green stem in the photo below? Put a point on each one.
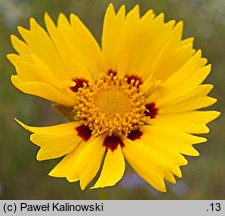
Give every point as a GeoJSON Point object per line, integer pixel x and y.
{"type": "Point", "coordinates": [102, 194]}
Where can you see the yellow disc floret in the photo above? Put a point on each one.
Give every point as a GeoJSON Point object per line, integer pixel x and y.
{"type": "Point", "coordinates": [111, 105]}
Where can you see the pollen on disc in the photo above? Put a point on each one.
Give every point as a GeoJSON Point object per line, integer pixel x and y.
{"type": "Point", "coordinates": [111, 104]}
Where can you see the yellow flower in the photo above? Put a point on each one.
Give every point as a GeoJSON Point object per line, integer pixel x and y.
{"type": "Point", "coordinates": [133, 98]}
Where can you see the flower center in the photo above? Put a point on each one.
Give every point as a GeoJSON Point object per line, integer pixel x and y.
{"type": "Point", "coordinates": [111, 105]}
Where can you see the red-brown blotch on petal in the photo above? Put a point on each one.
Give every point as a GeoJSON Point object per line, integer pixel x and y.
{"type": "Point", "coordinates": [151, 111]}
{"type": "Point", "coordinates": [112, 73]}
{"type": "Point", "coordinates": [112, 142]}
{"type": "Point", "coordinates": [84, 132]}
{"type": "Point", "coordinates": [135, 134]}
{"type": "Point", "coordinates": [79, 84]}
{"type": "Point", "coordinates": [135, 78]}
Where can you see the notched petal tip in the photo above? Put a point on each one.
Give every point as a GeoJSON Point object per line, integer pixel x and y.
{"type": "Point", "coordinates": [23, 31]}
{"type": "Point", "coordinates": [122, 10]}
{"type": "Point", "coordinates": [110, 11]}
{"type": "Point", "coordinates": [15, 81]}
{"type": "Point", "coordinates": [13, 37]}
{"type": "Point", "coordinates": [39, 156]}
{"type": "Point", "coordinates": [110, 7]}
{"type": "Point", "coordinates": [209, 66]}
{"type": "Point", "coordinates": [216, 114]}
{"type": "Point", "coordinates": [72, 178]}
{"type": "Point", "coordinates": [33, 22]}
{"type": "Point", "coordinates": [171, 23]}
{"type": "Point", "coordinates": [62, 20]}
{"type": "Point", "coordinates": [56, 174]}
{"type": "Point", "coordinates": [73, 17]}
{"type": "Point", "coordinates": [13, 58]}
{"type": "Point", "coordinates": [177, 172]}
{"type": "Point", "coordinates": [51, 174]}
{"type": "Point", "coordinates": [170, 178]}
{"type": "Point", "coordinates": [198, 53]}
{"type": "Point", "coordinates": [137, 8]}
{"type": "Point", "coordinates": [201, 140]}
{"type": "Point", "coordinates": [48, 20]}
{"type": "Point", "coordinates": [135, 12]}
{"type": "Point", "coordinates": [148, 16]}
{"type": "Point", "coordinates": [34, 138]}
{"type": "Point", "coordinates": [212, 100]}
{"type": "Point", "coordinates": [212, 115]}
{"type": "Point", "coordinates": [178, 30]}
{"type": "Point", "coordinates": [195, 153]}
{"type": "Point", "coordinates": [180, 25]}
{"type": "Point", "coordinates": [46, 15]}
{"type": "Point", "coordinates": [15, 40]}
{"type": "Point", "coordinates": [23, 125]}
{"type": "Point", "coordinates": [160, 186]}
{"type": "Point", "coordinates": [62, 16]}
{"type": "Point", "coordinates": [191, 39]}
{"type": "Point", "coordinates": [82, 186]}
{"type": "Point", "coordinates": [96, 187]}
{"type": "Point", "coordinates": [163, 189]}
{"type": "Point", "coordinates": [160, 17]}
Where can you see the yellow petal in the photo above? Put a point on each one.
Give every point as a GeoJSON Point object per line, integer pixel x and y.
{"type": "Point", "coordinates": [187, 70]}
{"type": "Point", "coordinates": [113, 168]}
{"type": "Point", "coordinates": [169, 59]}
{"type": "Point", "coordinates": [199, 92]}
{"type": "Point", "coordinates": [13, 58]}
{"type": "Point", "coordinates": [54, 146]}
{"type": "Point", "coordinates": [176, 171]}
{"type": "Point", "coordinates": [38, 71]}
{"type": "Point", "coordinates": [63, 167]}
{"type": "Point", "coordinates": [131, 46]}
{"type": "Point", "coordinates": [44, 71]}
{"type": "Point", "coordinates": [188, 105]}
{"type": "Point", "coordinates": [170, 154]}
{"type": "Point", "coordinates": [76, 46]}
{"type": "Point", "coordinates": [181, 83]}
{"type": "Point", "coordinates": [165, 139]}
{"type": "Point", "coordinates": [63, 21]}
{"type": "Point", "coordinates": [134, 14]}
{"type": "Point", "coordinates": [41, 45]}
{"type": "Point", "coordinates": [86, 45]}
{"type": "Point", "coordinates": [43, 90]}
{"type": "Point", "coordinates": [22, 48]}
{"type": "Point", "coordinates": [112, 30]}
{"type": "Point", "coordinates": [88, 162]}
{"type": "Point", "coordinates": [63, 129]}
{"type": "Point", "coordinates": [69, 52]}
{"type": "Point", "coordinates": [187, 86]}
{"type": "Point", "coordinates": [142, 158]}
{"type": "Point", "coordinates": [54, 141]}
{"type": "Point", "coordinates": [191, 122]}
{"type": "Point", "coordinates": [27, 71]}
{"type": "Point", "coordinates": [64, 52]}
{"type": "Point", "coordinates": [169, 177]}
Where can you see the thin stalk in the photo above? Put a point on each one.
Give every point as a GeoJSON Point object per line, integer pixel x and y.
{"type": "Point", "coordinates": [103, 194]}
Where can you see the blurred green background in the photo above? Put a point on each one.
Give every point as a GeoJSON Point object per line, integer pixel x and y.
{"type": "Point", "coordinates": [22, 177]}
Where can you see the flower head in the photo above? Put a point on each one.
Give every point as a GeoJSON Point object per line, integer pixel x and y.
{"type": "Point", "coordinates": [137, 97]}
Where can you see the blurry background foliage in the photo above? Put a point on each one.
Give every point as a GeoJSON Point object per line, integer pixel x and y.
{"type": "Point", "coordinates": [22, 177]}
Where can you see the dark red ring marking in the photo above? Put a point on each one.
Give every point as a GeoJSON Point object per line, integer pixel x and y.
{"type": "Point", "coordinates": [84, 132]}
{"type": "Point", "coordinates": [134, 77]}
{"type": "Point", "coordinates": [135, 134]}
{"type": "Point", "coordinates": [151, 110]}
{"type": "Point", "coordinates": [79, 84]}
{"type": "Point", "coordinates": [112, 142]}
